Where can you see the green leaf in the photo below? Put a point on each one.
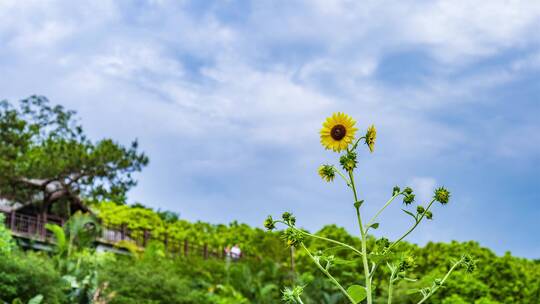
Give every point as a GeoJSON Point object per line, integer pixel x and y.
{"type": "Point", "coordinates": [36, 300]}
{"type": "Point", "coordinates": [358, 204]}
{"type": "Point", "coordinates": [410, 213]}
{"type": "Point", "coordinates": [357, 293]}
{"type": "Point", "coordinates": [374, 225]}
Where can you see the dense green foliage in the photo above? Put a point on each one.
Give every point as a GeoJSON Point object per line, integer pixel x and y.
{"type": "Point", "coordinates": [159, 277]}
{"type": "Point", "coordinates": [26, 275]}
{"type": "Point", "coordinates": [6, 242]}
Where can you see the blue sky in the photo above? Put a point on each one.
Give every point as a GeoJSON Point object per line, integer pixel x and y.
{"type": "Point", "coordinates": [227, 97]}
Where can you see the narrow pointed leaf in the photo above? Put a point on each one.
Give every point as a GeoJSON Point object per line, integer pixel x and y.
{"type": "Point", "coordinates": [410, 213]}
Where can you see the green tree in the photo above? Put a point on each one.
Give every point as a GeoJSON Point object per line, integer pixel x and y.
{"type": "Point", "coordinates": [45, 158]}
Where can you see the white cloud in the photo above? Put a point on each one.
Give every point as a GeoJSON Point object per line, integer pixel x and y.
{"type": "Point", "coordinates": [207, 92]}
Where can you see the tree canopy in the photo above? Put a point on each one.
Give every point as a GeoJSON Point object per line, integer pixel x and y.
{"type": "Point", "coordinates": [45, 158]}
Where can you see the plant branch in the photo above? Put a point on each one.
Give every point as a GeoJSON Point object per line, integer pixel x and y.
{"type": "Point", "coordinates": [382, 209]}
{"type": "Point", "coordinates": [323, 238]}
{"type": "Point", "coordinates": [328, 274]}
{"type": "Point", "coordinates": [413, 227]}
{"type": "Point", "coordinates": [435, 287]}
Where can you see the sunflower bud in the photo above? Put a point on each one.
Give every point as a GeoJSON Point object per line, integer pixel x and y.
{"type": "Point", "coordinates": [442, 195]}
{"type": "Point", "coordinates": [420, 209]}
{"type": "Point", "coordinates": [292, 237]}
{"type": "Point", "coordinates": [327, 172]}
{"type": "Point", "coordinates": [406, 264]}
{"type": "Point", "coordinates": [371, 134]}
{"type": "Point", "coordinates": [469, 264]}
{"type": "Point", "coordinates": [429, 215]}
{"type": "Point", "coordinates": [269, 223]}
{"type": "Point", "coordinates": [348, 161]}
{"type": "Point", "coordinates": [395, 191]}
{"type": "Point", "coordinates": [288, 218]}
{"type": "Point", "coordinates": [408, 199]}
{"type": "Point", "coordinates": [407, 190]}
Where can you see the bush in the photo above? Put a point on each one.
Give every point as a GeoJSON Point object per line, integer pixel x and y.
{"type": "Point", "coordinates": [27, 275]}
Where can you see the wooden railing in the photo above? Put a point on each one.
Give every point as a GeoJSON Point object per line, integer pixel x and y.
{"type": "Point", "coordinates": [33, 227]}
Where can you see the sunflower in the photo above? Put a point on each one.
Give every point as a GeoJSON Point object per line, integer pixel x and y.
{"type": "Point", "coordinates": [338, 132]}
{"type": "Point", "coordinates": [371, 135]}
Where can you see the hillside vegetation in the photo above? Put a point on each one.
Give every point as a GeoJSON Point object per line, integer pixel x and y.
{"type": "Point", "coordinates": [157, 276]}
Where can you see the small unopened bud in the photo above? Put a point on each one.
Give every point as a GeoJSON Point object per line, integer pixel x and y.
{"type": "Point", "coordinates": [292, 237]}
{"type": "Point", "coordinates": [327, 172]}
{"type": "Point", "coordinates": [288, 218]}
{"type": "Point", "coordinates": [269, 223]}
{"type": "Point", "coordinates": [408, 199]}
{"type": "Point", "coordinates": [429, 215]}
{"type": "Point", "coordinates": [395, 191]}
{"type": "Point", "coordinates": [420, 209]}
{"type": "Point", "coordinates": [408, 190]}
{"type": "Point", "coordinates": [442, 195]}
{"type": "Point", "coordinates": [469, 263]}
{"type": "Point", "coordinates": [348, 161]}
{"type": "Point", "coordinates": [406, 264]}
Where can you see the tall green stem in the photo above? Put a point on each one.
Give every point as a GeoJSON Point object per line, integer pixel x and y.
{"type": "Point", "coordinates": [391, 286]}
{"type": "Point", "coordinates": [364, 241]}
{"type": "Point", "coordinates": [328, 274]}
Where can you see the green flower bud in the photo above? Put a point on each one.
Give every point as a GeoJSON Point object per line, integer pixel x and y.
{"type": "Point", "coordinates": [269, 223]}
{"type": "Point", "coordinates": [442, 195]}
{"type": "Point", "coordinates": [327, 172]}
{"type": "Point", "coordinates": [420, 209]}
{"type": "Point", "coordinates": [395, 191]}
{"type": "Point", "coordinates": [429, 215]}
{"type": "Point", "coordinates": [468, 263]}
{"type": "Point", "coordinates": [406, 264]}
{"type": "Point", "coordinates": [289, 218]}
{"type": "Point", "coordinates": [292, 237]}
{"type": "Point", "coordinates": [348, 161]}
{"type": "Point", "coordinates": [408, 190]}
{"type": "Point", "coordinates": [408, 199]}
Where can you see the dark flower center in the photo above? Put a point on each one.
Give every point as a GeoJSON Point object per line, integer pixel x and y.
{"type": "Point", "coordinates": [338, 132]}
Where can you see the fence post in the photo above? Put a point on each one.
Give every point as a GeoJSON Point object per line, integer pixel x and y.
{"type": "Point", "coordinates": [145, 237]}
{"type": "Point", "coordinates": [43, 229]}
{"type": "Point", "coordinates": [12, 221]}
{"type": "Point", "coordinates": [123, 232]}
{"type": "Point", "coordinates": [166, 241]}
{"type": "Point", "coordinates": [205, 251]}
{"type": "Point", "coordinates": [186, 247]}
